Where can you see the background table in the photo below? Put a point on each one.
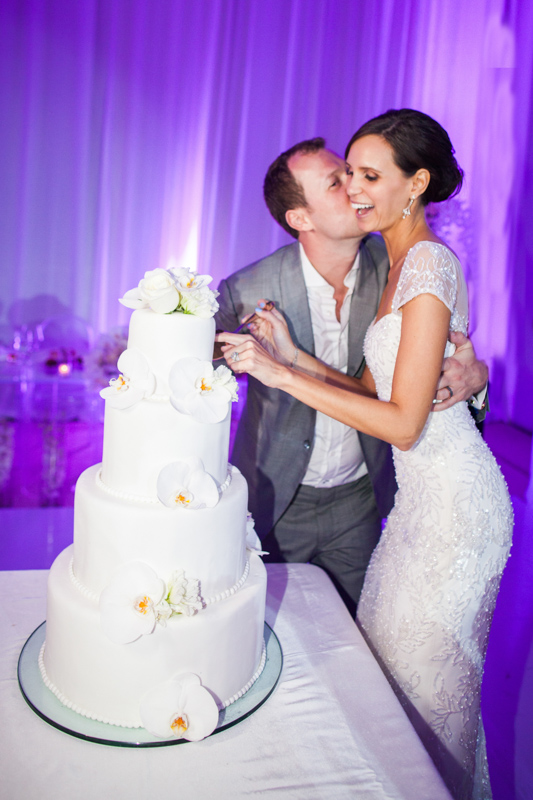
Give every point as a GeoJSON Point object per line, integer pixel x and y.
{"type": "Point", "coordinates": [332, 729]}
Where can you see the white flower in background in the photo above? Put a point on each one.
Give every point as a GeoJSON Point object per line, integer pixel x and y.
{"type": "Point", "coordinates": [180, 708]}
{"type": "Point", "coordinates": [183, 596]}
{"type": "Point", "coordinates": [157, 290]}
{"type": "Point", "coordinates": [200, 390]}
{"type": "Point", "coordinates": [200, 302]}
{"type": "Point", "coordinates": [253, 542]}
{"type": "Point", "coordinates": [186, 484]}
{"type": "Point", "coordinates": [189, 281]}
{"type": "Point", "coordinates": [132, 603]}
{"type": "Point", "coordinates": [134, 382]}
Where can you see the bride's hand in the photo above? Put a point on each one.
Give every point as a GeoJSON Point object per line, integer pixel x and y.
{"type": "Point", "coordinates": [243, 353]}
{"type": "Point", "coordinates": [270, 329]}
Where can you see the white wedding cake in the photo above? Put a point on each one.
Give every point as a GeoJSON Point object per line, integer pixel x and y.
{"type": "Point", "coordinates": [155, 613]}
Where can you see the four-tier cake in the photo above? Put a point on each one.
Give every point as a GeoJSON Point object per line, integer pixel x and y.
{"type": "Point", "coordinates": [155, 613]}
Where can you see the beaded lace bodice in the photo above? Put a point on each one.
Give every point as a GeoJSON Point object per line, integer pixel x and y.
{"type": "Point", "coordinates": [429, 268]}
{"type": "Point", "coordinates": [431, 586]}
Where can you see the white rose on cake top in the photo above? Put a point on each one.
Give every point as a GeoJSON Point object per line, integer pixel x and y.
{"type": "Point", "coordinates": [180, 707]}
{"type": "Point", "coordinates": [157, 290]}
{"type": "Point", "coordinates": [166, 291]}
{"type": "Point", "coordinates": [134, 382]}
{"type": "Point", "coordinates": [186, 484]}
{"type": "Point", "coordinates": [200, 390]}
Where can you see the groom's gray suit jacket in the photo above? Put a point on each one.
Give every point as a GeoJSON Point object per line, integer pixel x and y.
{"type": "Point", "coordinates": [274, 439]}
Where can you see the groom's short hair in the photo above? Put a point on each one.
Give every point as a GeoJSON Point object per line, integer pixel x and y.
{"type": "Point", "coordinates": [281, 190]}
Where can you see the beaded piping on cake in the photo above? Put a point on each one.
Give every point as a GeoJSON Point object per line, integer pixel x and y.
{"type": "Point", "coordinates": [233, 590]}
{"type": "Point", "coordinates": [250, 683]}
{"type": "Point", "coordinates": [139, 498]}
{"type": "Point", "coordinates": [207, 601]}
{"type": "Point", "coordinates": [84, 713]}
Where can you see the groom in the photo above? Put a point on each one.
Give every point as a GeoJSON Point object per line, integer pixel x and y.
{"type": "Point", "coordinates": [317, 488]}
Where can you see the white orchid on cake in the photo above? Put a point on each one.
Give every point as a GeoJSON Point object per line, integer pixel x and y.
{"type": "Point", "coordinates": [132, 603]}
{"type": "Point", "coordinates": [186, 484]}
{"type": "Point", "coordinates": [137, 599]}
{"type": "Point", "coordinates": [134, 382]}
{"type": "Point", "coordinates": [180, 707]}
{"type": "Point", "coordinates": [200, 390]}
{"type": "Point", "coordinates": [166, 291]}
{"type": "Point", "coordinates": [188, 281]}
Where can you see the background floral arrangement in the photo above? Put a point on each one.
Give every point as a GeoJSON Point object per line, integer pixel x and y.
{"type": "Point", "coordinates": [101, 361]}
{"type": "Point", "coordinates": [63, 355]}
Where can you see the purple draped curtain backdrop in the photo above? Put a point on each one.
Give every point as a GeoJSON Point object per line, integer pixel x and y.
{"type": "Point", "coordinates": [136, 134]}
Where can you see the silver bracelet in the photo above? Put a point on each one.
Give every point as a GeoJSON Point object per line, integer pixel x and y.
{"type": "Point", "coordinates": [295, 358]}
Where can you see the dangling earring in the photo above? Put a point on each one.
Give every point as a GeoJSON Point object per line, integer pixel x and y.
{"type": "Point", "coordinates": [407, 211]}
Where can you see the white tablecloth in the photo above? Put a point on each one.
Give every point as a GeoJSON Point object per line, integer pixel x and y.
{"type": "Point", "coordinates": [332, 729]}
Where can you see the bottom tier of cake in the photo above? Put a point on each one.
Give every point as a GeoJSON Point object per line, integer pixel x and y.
{"type": "Point", "coordinates": [222, 644]}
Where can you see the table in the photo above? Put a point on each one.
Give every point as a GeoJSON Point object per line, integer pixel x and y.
{"type": "Point", "coordinates": [332, 729]}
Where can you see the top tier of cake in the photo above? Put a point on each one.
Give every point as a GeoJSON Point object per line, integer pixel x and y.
{"type": "Point", "coordinates": [142, 439]}
{"type": "Point", "coordinates": [165, 338]}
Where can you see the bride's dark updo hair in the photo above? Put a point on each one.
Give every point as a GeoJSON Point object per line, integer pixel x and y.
{"type": "Point", "coordinates": [418, 142]}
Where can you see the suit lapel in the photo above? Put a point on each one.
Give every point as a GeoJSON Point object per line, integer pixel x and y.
{"type": "Point", "coordinates": [363, 308]}
{"type": "Point", "coordinates": [293, 295]}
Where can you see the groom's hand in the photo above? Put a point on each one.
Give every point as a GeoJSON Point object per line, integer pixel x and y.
{"type": "Point", "coordinates": [462, 374]}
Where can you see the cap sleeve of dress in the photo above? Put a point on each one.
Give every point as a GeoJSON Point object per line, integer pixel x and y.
{"type": "Point", "coordinates": [429, 268]}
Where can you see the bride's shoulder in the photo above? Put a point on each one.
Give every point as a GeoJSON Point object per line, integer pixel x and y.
{"type": "Point", "coordinates": [430, 256]}
{"type": "Point", "coordinates": [429, 268]}
{"type": "Point", "coordinates": [427, 250]}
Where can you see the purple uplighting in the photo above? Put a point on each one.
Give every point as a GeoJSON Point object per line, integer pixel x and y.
{"type": "Point", "coordinates": [137, 136]}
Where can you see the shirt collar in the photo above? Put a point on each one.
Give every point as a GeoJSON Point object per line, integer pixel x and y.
{"type": "Point", "coordinates": [312, 278]}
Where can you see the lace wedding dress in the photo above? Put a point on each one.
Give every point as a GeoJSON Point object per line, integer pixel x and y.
{"type": "Point", "coordinates": [431, 587]}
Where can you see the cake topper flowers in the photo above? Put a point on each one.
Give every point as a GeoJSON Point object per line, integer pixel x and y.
{"type": "Point", "coordinates": [136, 600]}
{"type": "Point", "coordinates": [134, 382]}
{"type": "Point", "coordinates": [165, 291]}
{"type": "Point", "coordinates": [180, 707]}
{"type": "Point", "coordinates": [186, 484]}
{"type": "Point", "coordinates": [189, 282]}
{"type": "Point", "coordinates": [202, 391]}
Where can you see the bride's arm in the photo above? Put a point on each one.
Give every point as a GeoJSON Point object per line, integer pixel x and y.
{"type": "Point", "coordinates": [425, 328]}
{"type": "Point", "coordinates": [270, 329]}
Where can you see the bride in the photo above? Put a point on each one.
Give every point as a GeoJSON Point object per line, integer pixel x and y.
{"type": "Point", "coordinates": [430, 590]}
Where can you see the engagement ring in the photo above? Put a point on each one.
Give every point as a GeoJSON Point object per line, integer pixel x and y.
{"type": "Point", "coordinates": [235, 356]}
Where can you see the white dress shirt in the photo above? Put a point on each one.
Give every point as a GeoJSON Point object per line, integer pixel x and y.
{"type": "Point", "coordinates": [337, 457]}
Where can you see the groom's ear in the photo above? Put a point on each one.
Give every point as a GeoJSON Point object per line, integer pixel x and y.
{"type": "Point", "coordinates": [297, 218]}
{"type": "Point", "coordinates": [420, 182]}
